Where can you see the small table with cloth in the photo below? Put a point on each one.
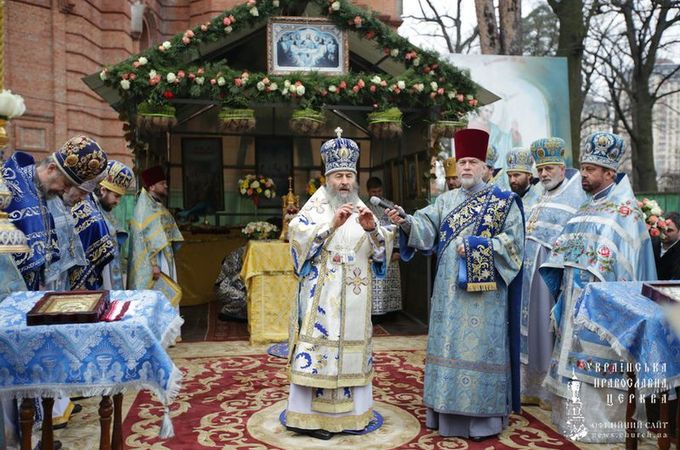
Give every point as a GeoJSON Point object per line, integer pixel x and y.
{"type": "Point", "coordinates": [271, 285]}
{"type": "Point", "coordinates": [638, 332]}
{"type": "Point", "coordinates": [88, 359]}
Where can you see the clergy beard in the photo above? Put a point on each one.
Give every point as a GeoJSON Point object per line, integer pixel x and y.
{"type": "Point", "coordinates": [468, 183]}
{"type": "Point", "coordinates": [337, 198]}
{"type": "Point", "coordinates": [549, 185]}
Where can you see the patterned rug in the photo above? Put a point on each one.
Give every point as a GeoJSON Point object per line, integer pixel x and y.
{"type": "Point", "coordinates": [235, 401]}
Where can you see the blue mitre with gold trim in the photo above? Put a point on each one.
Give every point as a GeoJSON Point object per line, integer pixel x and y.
{"type": "Point", "coordinates": [491, 156]}
{"type": "Point", "coordinates": [548, 151]}
{"type": "Point", "coordinates": [80, 159]}
{"type": "Point", "coordinates": [603, 149]}
{"type": "Point", "coordinates": [340, 154]}
{"type": "Point", "coordinates": [118, 177]}
{"type": "Point", "coordinates": [519, 160]}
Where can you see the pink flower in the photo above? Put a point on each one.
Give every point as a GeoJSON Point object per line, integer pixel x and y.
{"type": "Point", "coordinates": [133, 76]}
{"type": "Point", "coordinates": [624, 210]}
{"type": "Point", "coordinates": [181, 74]}
{"type": "Point", "coordinates": [252, 2]}
{"type": "Point", "coordinates": [226, 21]}
{"type": "Point", "coordinates": [238, 82]}
{"type": "Point", "coordinates": [204, 27]}
{"type": "Point", "coordinates": [652, 219]}
{"type": "Point", "coordinates": [199, 72]}
{"type": "Point", "coordinates": [472, 102]}
{"type": "Point", "coordinates": [213, 81]}
{"type": "Point", "coordinates": [580, 364]}
{"type": "Point", "coordinates": [460, 97]}
{"type": "Point", "coordinates": [372, 88]}
{"type": "Point", "coordinates": [191, 76]}
{"type": "Point", "coordinates": [604, 252]}
{"type": "Point", "coordinates": [186, 40]}
{"type": "Point", "coordinates": [356, 88]}
{"type": "Point", "coordinates": [361, 83]}
{"type": "Point", "coordinates": [189, 34]}
{"type": "Point", "coordinates": [654, 232]}
{"type": "Point", "coordinates": [639, 203]}
{"type": "Point", "coordinates": [440, 91]}
{"type": "Point", "coordinates": [342, 85]}
{"type": "Point", "coordinates": [135, 64]}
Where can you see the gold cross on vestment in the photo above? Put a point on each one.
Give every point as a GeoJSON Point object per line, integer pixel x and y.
{"type": "Point", "coordinates": [357, 281]}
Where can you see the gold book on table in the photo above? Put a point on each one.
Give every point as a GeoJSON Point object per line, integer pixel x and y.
{"type": "Point", "coordinates": [68, 307]}
{"type": "Point", "coordinates": [169, 288]}
{"type": "Point", "coordinates": [662, 291]}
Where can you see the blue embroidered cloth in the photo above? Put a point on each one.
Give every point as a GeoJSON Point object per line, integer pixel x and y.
{"type": "Point", "coordinates": [90, 359]}
{"type": "Point", "coordinates": [636, 329]}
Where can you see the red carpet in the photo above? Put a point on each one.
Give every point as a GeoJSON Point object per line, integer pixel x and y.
{"type": "Point", "coordinates": [234, 402]}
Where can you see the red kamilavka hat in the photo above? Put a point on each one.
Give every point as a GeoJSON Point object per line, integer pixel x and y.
{"type": "Point", "coordinates": [471, 143]}
{"type": "Point", "coordinates": [153, 175]}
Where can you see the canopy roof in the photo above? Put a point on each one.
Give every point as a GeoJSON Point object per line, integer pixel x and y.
{"type": "Point", "coordinates": [214, 64]}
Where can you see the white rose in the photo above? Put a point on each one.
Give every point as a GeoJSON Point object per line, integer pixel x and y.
{"type": "Point", "coordinates": [419, 87]}
{"type": "Point", "coordinates": [228, 29]}
{"type": "Point", "coordinates": [171, 77]}
{"type": "Point", "coordinates": [275, 3]}
{"type": "Point", "coordinates": [416, 62]}
{"type": "Point", "coordinates": [300, 90]}
{"type": "Point", "coordinates": [286, 84]}
{"type": "Point", "coordinates": [104, 75]}
{"type": "Point", "coordinates": [260, 86]}
{"type": "Point", "coordinates": [267, 193]}
{"type": "Point", "coordinates": [254, 12]}
{"type": "Point", "coordinates": [125, 84]}
{"type": "Point", "coordinates": [273, 87]}
{"type": "Point", "coordinates": [335, 6]}
{"type": "Point", "coordinates": [433, 85]}
{"type": "Point", "coordinates": [199, 80]}
{"type": "Point", "coordinates": [255, 184]}
{"type": "Point", "coordinates": [394, 52]}
{"type": "Point", "coordinates": [166, 45]}
{"type": "Point", "coordinates": [142, 61]}
{"type": "Point", "coordinates": [401, 85]}
{"type": "Point", "coordinates": [332, 88]}
{"type": "Point", "coordinates": [376, 80]}
{"type": "Point", "coordinates": [284, 91]}
{"type": "Point", "coordinates": [452, 94]}
{"type": "Point", "coordinates": [152, 73]}
{"type": "Point", "coordinates": [656, 211]}
{"type": "Point", "coordinates": [243, 192]}
{"type": "Point", "coordinates": [221, 81]}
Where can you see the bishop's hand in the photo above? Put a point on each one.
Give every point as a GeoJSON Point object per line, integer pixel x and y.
{"type": "Point", "coordinates": [366, 219]}
{"type": "Point", "coordinates": [342, 214]}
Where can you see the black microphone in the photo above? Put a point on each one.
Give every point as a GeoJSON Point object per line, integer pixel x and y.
{"type": "Point", "coordinates": [377, 201]}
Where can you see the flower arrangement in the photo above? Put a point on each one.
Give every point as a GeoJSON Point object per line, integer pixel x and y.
{"type": "Point", "coordinates": [253, 187]}
{"type": "Point", "coordinates": [260, 230]}
{"type": "Point", "coordinates": [314, 184]}
{"type": "Point", "coordinates": [656, 224]}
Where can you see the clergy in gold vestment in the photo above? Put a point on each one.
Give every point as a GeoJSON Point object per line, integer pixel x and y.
{"type": "Point", "coordinates": [338, 248]}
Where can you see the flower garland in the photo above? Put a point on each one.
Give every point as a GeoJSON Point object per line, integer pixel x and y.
{"type": "Point", "coordinates": [656, 224]}
{"type": "Point", "coordinates": [260, 230]}
{"type": "Point", "coordinates": [253, 187]}
{"type": "Point", "coordinates": [314, 184]}
{"type": "Point", "coordinates": [159, 75]}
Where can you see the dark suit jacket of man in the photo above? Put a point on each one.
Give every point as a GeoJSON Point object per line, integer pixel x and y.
{"type": "Point", "coordinates": [668, 265]}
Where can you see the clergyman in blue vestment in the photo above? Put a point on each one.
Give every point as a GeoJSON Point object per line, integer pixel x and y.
{"type": "Point", "coordinates": [477, 233]}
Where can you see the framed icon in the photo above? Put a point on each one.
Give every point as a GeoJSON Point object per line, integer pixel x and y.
{"type": "Point", "coordinates": [305, 44]}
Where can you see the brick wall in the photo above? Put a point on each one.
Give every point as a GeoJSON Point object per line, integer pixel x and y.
{"type": "Point", "coordinates": [51, 44]}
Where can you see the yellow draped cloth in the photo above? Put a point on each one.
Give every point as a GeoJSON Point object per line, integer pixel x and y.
{"type": "Point", "coordinates": [271, 284]}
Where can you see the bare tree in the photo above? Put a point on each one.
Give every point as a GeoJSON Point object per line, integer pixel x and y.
{"type": "Point", "coordinates": [444, 26]}
{"type": "Point", "coordinates": [629, 69]}
{"type": "Point", "coordinates": [540, 32]}
{"type": "Point", "coordinates": [574, 19]}
{"type": "Point", "coordinates": [500, 34]}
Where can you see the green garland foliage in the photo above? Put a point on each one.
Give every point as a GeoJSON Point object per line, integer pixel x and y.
{"type": "Point", "coordinates": [160, 74]}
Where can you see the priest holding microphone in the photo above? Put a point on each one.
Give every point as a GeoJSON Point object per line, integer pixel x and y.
{"type": "Point", "coordinates": [477, 233]}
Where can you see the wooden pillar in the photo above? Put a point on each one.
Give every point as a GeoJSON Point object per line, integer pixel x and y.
{"type": "Point", "coordinates": [26, 420]}
{"type": "Point", "coordinates": [117, 439]}
{"type": "Point", "coordinates": [47, 439]}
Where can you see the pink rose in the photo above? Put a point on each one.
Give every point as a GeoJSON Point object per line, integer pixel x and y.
{"type": "Point", "coordinates": [356, 89]}
{"type": "Point", "coordinates": [204, 27]}
{"type": "Point", "coordinates": [604, 252]}
{"type": "Point", "coordinates": [654, 232]}
{"type": "Point", "coordinates": [624, 210]}
{"type": "Point", "coordinates": [238, 82]}
{"type": "Point", "coordinates": [372, 88]}
{"type": "Point", "coordinates": [213, 81]}
{"type": "Point", "coordinates": [181, 74]}
{"type": "Point", "coordinates": [226, 21]}
{"type": "Point", "coordinates": [189, 33]}
{"type": "Point", "coordinates": [652, 219]}
{"type": "Point", "coordinates": [186, 40]}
